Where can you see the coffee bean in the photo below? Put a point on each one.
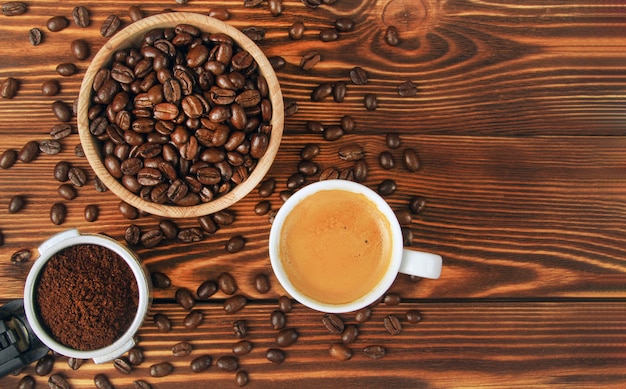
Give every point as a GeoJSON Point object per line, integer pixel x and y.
{"type": "Point", "coordinates": [60, 131]}
{"type": "Point", "coordinates": [358, 75]}
{"type": "Point", "coordinates": [78, 150]}
{"type": "Point", "coordinates": [314, 127]}
{"type": "Point", "coordinates": [58, 211]}
{"type": "Point", "coordinates": [333, 323]}
{"type": "Point", "coordinates": [285, 194]}
{"type": "Point", "coordinates": [13, 8]}
{"type": "Point", "coordinates": [57, 23]}
{"type": "Point", "coordinates": [62, 111]}
{"type": "Point", "coordinates": [275, 7]}
{"type": "Point", "coordinates": [413, 316]}
{"type": "Point", "coordinates": [135, 356]}
{"type": "Point", "coordinates": [67, 191]}
{"type": "Point", "coordinates": [291, 106]}
{"type": "Point", "coordinates": [417, 204]}
{"type": "Point", "coordinates": [50, 146]}
{"type": "Point", "coordinates": [201, 363]}
{"type": "Point", "coordinates": [285, 304]}
{"type": "Point", "coordinates": [267, 186]}
{"type": "Point", "coordinates": [392, 325]}
{"type": "Point", "coordinates": [66, 69]}
{"type": "Point", "coordinates": [35, 36]}
{"type": "Point", "coordinates": [80, 49]}
{"type": "Point", "coordinates": [363, 315]}
{"type": "Point", "coordinates": [181, 349]}
{"type": "Point", "coordinates": [161, 369]}
{"type": "Point", "coordinates": [370, 101]}
{"type": "Point", "coordinates": [235, 303]}
{"type": "Point", "coordinates": [344, 24]}
{"type": "Point", "coordinates": [29, 152]}
{"type": "Point", "coordinates": [296, 31]}
{"type": "Point", "coordinates": [391, 36]}
{"type": "Point", "coordinates": [309, 151]}
{"type": "Point", "coordinates": [50, 88]}
{"type": "Point", "coordinates": [26, 382]}
{"type": "Point", "coordinates": [262, 207]}
{"type": "Point", "coordinates": [393, 140]}
{"type": "Point", "coordinates": [310, 59]}
{"type": "Point", "coordinates": [407, 236]}
{"type": "Point", "coordinates": [9, 87]}
{"type": "Point", "coordinates": [407, 89]}
{"type": "Point", "coordinates": [404, 217]}
{"type": "Point", "coordinates": [296, 181]}
{"type": "Point", "coordinates": [44, 365]}
{"type": "Point", "coordinates": [129, 212]}
{"type": "Point", "coordinates": [17, 203]}
{"type": "Point", "coordinates": [58, 381]}
{"type": "Point", "coordinates": [277, 62]}
{"type": "Point", "coordinates": [193, 319]}
{"type": "Point", "coordinates": [61, 171]}
{"type": "Point", "coordinates": [286, 337]}
{"type": "Point", "coordinates": [81, 16]}
{"type": "Point", "coordinates": [8, 158]}
{"type": "Point", "coordinates": [134, 13]}
{"type": "Point", "coordinates": [411, 160]}
{"type": "Point", "coordinates": [190, 235]}
{"type": "Point", "coordinates": [275, 355]}
{"type": "Point", "coordinates": [235, 244]}
{"type": "Point", "coordinates": [242, 378]}
{"type": "Point", "coordinates": [91, 213]}
{"type": "Point", "coordinates": [332, 133]}
{"type": "Point", "coordinates": [224, 217]}
{"type": "Point", "coordinates": [110, 26]}
{"type": "Point", "coordinates": [75, 363]}
{"type": "Point", "coordinates": [185, 298]}
{"type": "Point", "coordinates": [387, 187]}
{"type": "Point", "coordinates": [374, 352]}
{"type": "Point", "coordinates": [328, 34]}
{"type": "Point", "coordinates": [391, 299]}
{"type": "Point", "coordinates": [102, 382]}
{"type": "Point", "coordinates": [240, 329]}
{"type": "Point", "coordinates": [227, 363]}
{"type": "Point", "coordinates": [77, 176]}
{"type": "Point", "coordinates": [360, 170]}
{"type": "Point", "coordinates": [242, 347]}
{"type": "Point", "coordinates": [262, 283]}
{"type": "Point", "coordinates": [99, 185]}
{"type": "Point", "coordinates": [350, 334]}
{"type": "Point", "coordinates": [351, 152]}
{"type": "Point", "coordinates": [219, 13]}
{"type": "Point", "coordinates": [339, 91]}
{"type": "Point", "coordinates": [206, 289]}
{"type": "Point", "coordinates": [122, 365]}
{"type": "Point", "coordinates": [278, 320]}
{"type": "Point", "coordinates": [340, 351]}
{"type": "Point", "coordinates": [386, 160]}
{"type": "Point", "coordinates": [322, 91]}
{"type": "Point", "coordinates": [19, 256]}
{"type": "Point", "coordinates": [329, 174]}
{"type": "Point", "coordinates": [159, 280]}
{"type": "Point", "coordinates": [141, 384]}
{"type": "Point", "coordinates": [162, 322]}
{"type": "Point", "coordinates": [226, 283]}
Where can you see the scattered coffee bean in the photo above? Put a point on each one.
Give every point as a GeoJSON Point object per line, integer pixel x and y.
{"type": "Point", "coordinates": [235, 244]}
{"type": "Point", "coordinates": [91, 213]}
{"type": "Point", "coordinates": [417, 204]}
{"type": "Point", "coordinates": [128, 211]}
{"type": "Point", "coordinates": [360, 170]}
{"type": "Point", "coordinates": [314, 127]}
{"type": "Point", "coordinates": [110, 26]}
{"type": "Point", "coordinates": [226, 283]}
{"type": "Point", "coordinates": [224, 217]}
{"type": "Point", "coordinates": [310, 59]}
{"type": "Point", "coordinates": [58, 381]}
{"type": "Point", "coordinates": [102, 382]}
{"type": "Point", "coordinates": [8, 158]}
{"type": "Point", "coordinates": [141, 384]}
{"type": "Point", "coordinates": [286, 337]}
{"type": "Point", "coordinates": [132, 236]}
{"type": "Point", "coordinates": [134, 13]}
{"type": "Point", "coordinates": [193, 319]}
{"type": "Point", "coordinates": [278, 320]}
{"type": "Point", "coordinates": [13, 8]}
{"type": "Point", "coordinates": [9, 87]}
{"type": "Point", "coordinates": [391, 36]}
{"type": "Point", "coordinates": [151, 238]}
{"type": "Point", "coordinates": [60, 131]}
{"type": "Point", "coordinates": [392, 325]}
{"type": "Point", "coordinates": [255, 33]}
{"type": "Point", "coordinates": [407, 236]}
{"type": "Point", "coordinates": [322, 91]}
{"type": "Point", "coordinates": [62, 111]}
{"type": "Point", "coordinates": [348, 123]}
{"type": "Point", "coordinates": [262, 207]}
{"type": "Point", "coordinates": [374, 352]}
{"type": "Point", "coordinates": [17, 203]}
{"type": "Point", "coordinates": [61, 171]}
{"type": "Point", "coordinates": [276, 7]}
{"type": "Point", "coordinates": [262, 283]}
{"type": "Point", "coordinates": [58, 211]}
{"type": "Point", "coordinates": [358, 75]}
{"type": "Point", "coordinates": [190, 235]}
{"type": "Point", "coordinates": [207, 224]}
{"type": "Point", "coordinates": [239, 328]}
{"type": "Point", "coordinates": [185, 298]}
{"type": "Point", "coordinates": [67, 191]}
{"type": "Point", "coordinates": [370, 101]}
{"type": "Point", "coordinates": [19, 256]}
{"type": "Point", "coordinates": [350, 334]}
{"type": "Point", "coordinates": [411, 160]}
{"type": "Point", "coordinates": [340, 351]}
{"type": "Point", "coordinates": [161, 369]}
{"type": "Point", "coordinates": [122, 365]}
{"type": "Point", "coordinates": [291, 106]}
{"type": "Point", "coordinates": [328, 34]}
{"type": "Point", "coordinates": [339, 91]}
{"type": "Point", "coordinates": [296, 31]}
{"type": "Point", "coordinates": [391, 299]}
{"type": "Point", "coordinates": [242, 378]}
{"type": "Point", "coordinates": [80, 49]}
{"type": "Point", "coordinates": [29, 152]}
{"type": "Point", "coordinates": [135, 356]}
{"type": "Point", "coordinates": [219, 13]}
{"type": "Point", "coordinates": [201, 363]}
{"type": "Point", "coordinates": [81, 17]}
{"type": "Point", "coordinates": [227, 363]}
{"type": "Point", "coordinates": [386, 160]}
{"type": "Point", "coordinates": [275, 355]}
{"type": "Point", "coordinates": [332, 133]}
{"type": "Point", "coordinates": [363, 315]}
{"type": "Point", "coordinates": [344, 24]}
{"type": "Point", "coordinates": [44, 365]}
{"type": "Point", "coordinates": [333, 323]}
{"type": "Point", "coordinates": [393, 140]}
{"type": "Point", "coordinates": [329, 173]}
{"type": "Point", "coordinates": [206, 289]}
{"type": "Point", "coordinates": [387, 187]}
{"type": "Point", "coordinates": [66, 69]}
{"type": "Point", "coordinates": [75, 363]}
{"type": "Point", "coordinates": [162, 322]}
{"type": "Point", "coordinates": [57, 23]}
{"type": "Point", "coordinates": [404, 217]}
{"type": "Point", "coordinates": [295, 181]}
{"type": "Point", "coordinates": [407, 89]}
{"type": "Point", "coordinates": [99, 185]}
{"type": "Point", "coordinates": [182, 349]}
{"type": "Point", "coordinates": [351, 152]}
{"type": "Point", "coordinates": [235, 303]}
{"type": "Point", "coordinates": [277, 62]}
{"type": "Point", "coordinates": [169, 228]}
{"type": "Point", "coordinates": [26, 382]}
{"type": "Point", "coordinates": [413, 316]}
{"type": "Point", "coordinates": [285, 304]}
{"type": "Point", "coordinates": [266, 188]}
{"type": "Point", "coordinates": [271, 216]}
{"type": "Point", "coordinates": [242, 347]}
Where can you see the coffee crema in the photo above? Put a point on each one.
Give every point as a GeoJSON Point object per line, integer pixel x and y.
{"type": "Point", "coordinates": [335, 246]}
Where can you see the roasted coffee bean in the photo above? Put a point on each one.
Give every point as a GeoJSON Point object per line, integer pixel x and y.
{"type": "Point", "coordinates": [360, 170]}
{"type": "Point", "coordinates": [102, 382]}
{"type": "Point", "coordinates": [296, 181]}
{"type": "Point", "coordinates": [61, 171]}
{"type": "Point", "coordinates": [193, 319]}
{"type": "Point", "coordinates": [201, 363]}
{"type": "Point", "coordinates": [404, 217]}
{"type": "Point", "coordinates": [77, 176]}
{"type": "Point", "coordinates": [141, 384]}
{"type": "Point", "coordinates": [285, 195]}
{"type": "Point", "coordinates": [219, 13]}
{"type": "Point", "coordinates": [135, 356]}
{"type": "Point", "coordinates": [60, 131]}
{"type": "Point", "coordinates": [386, 160]}
{"type": "Point", "coordinates": [286, 337]}
{"type": "Point", "coordinates": [291, 106]}
{"type": "Point", "coordinates": [226, 283]}
{"type": "Point", "coordinates": [393, 140]}
{"type": "Point", "coordinates": [262, 207]}
{"type": "Point", "coordinates": [26, 382]}
{"type": "Point", "coordinates": [132, 235]}
{"type": "Point", "coordinates": [19, 256]}
{"type": "Point", "coordinates": [185, 298]}
{"type": "Point", "coordinates": [81, 16]}
{"type": "Point", "coordinates": [309, 151]}
{"type": "Point", "coordinates": [413, 316]}
{"type": "Point", "coordinates": [348, 123]}
{"type": "Point", "coordinates": [275, 355]}
{"type": "Point", "coordinates": [240, 329]}
{"type": "Point", "coordinates": [235, 244]}
{"type": "Point", "coordinates": [17, 203]}
{"type": "Point", "coordinates": [99, 185]}
{"type": "Point", "coordinates": [161, 369]}
{"type": "Point", "coordinates": [370, 101]}
{"type": "Point", "coordinates": [392, 325]}
{"type": "Point", "coordinates": [57, 23]}
{"type": "Point", "coordinates": [227, 363]}
{"type": "Point", "coordinates": [363, 315]}
{"type": "Point", "coordinates": [159, 280]}
{"type": "Point", "coordinates": [80, 49]}
{"type": "Point", "coordinates": [351, 152]}
{"type": "Point", "coordinates": [206, 289]}
{"type": "Point", "coordinates": [50, 146]}
{"type": "Point", "coordinates": [344, 24]}
{"type": "Point", "coordinates": [242, 378]}
{"type": "Point", "coordinates": [278, 320]}
{"type": "Point", "coordinates": [340, 351]}
{"type": "Point", "coordinates": [134, 13]}
{"type": "Point", "coordinates": [391, 299]}
{"type": "Point", "coordinates": [310, 59]}
{"type": "Point", "coordinates": [358, 75]}
{"type": "Point", "coordinates": [58, 212]}
{"type": "Point", "coordinates": [256, 34]}
{"type": "Point", "coordinates": [276, 7]}
{"type": "Point", "coordinates": [169, 228]}
{"type": "Point", "coordinates": [285, 304]}
{"type": "Point", "coordinates": [8, 158]}
{"type": "Point", "coordinates": [58, 381]}
{"type": "Point", "coordinates": [242, 347]}
{"type": "Point", "coordinates": [328, 34]}
{"type": "Point", "coordinates": [110, 26]}
{"type": "Point", "coordinates": [122, 365]}
{"type": "Point", "coordinates": [391, 36]}
{"type": "Point", "coordinates": [91, 212]}
{"type": "Point", "coordinates": [66, 69]}
{"type": "Point", "coordinates": [387, 187]}
{"type": "Point", "coordinates": [207, 224]}
{"type": "Point", "coordinates": [182, 349]}
{"type": "Point", "coordinates": [407, 89]}
{"type": "Point", "coordinates": [9, 87]}
{"type": "Point", "coordinates": [417, 204]}
{"type": "Point", "coordinates": [190, 235]}
{"type": "Point", "coordinates": [50, 87]}
{"type": "Point", "coordinates": [333, 323]}
{"type": "Point", "coordinates": [277, 62]}
{"type": "Point", "coordinates": [296, 31]}
{"type": "Point", "coordinates": [151, 238]}
{"type": "Point", "coordinates": [410, 159]}
{"type": "Point", "coordinates": [44, 365]}
{"type": "Point", "coordinates": [329, 173]}
{"type": "Point", "coordinates": [314, 127]}
{"type": "Point", "coordinates": [62, 111]}
{"type": "Point", "coordinates": [262, 283]}
{"type": "Point", "coordinates": [374, 352]}
{"type": "Point", "coordinates": [266, 188]}
{"type": "Point", "coordinates": [224, 217]}
{"type": "Point", "coordinates": [29, 152]}
{"type": "Point", "coordinates": [128, 211]}
{"type": "Point", "coordinates": [235, 303]}
{"type": "Point", "coordinates": [75, 363]}
{"type": "Point", "coordinates": [339, 91]}
{"type": "Point", "coordinates": [407, 236]}
{"type": "Point", "coordinates": [322, 91]}
{"type": "Point", "coordinates": [162, 322]}
{"type": "Point", "coordinates": [13, 8]}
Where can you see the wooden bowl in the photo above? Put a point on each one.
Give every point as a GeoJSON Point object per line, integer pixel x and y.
{"type": "Point", "coordinates": [131, 36]}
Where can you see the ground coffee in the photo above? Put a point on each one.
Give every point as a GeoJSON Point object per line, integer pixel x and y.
{"type": "Point", "coordinates": [87, 296]}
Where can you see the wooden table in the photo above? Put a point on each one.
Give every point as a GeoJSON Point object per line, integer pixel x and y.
{"type": "Point", "coordinates": [520, 124]}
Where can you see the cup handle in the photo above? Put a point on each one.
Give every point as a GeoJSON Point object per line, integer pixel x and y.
{"type": "Point", "coordinates": [115, 353]}
{"type": "Point", "coordinates": [417, 263]}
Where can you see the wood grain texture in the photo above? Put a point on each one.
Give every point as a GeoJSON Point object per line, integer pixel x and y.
{"type": "Point", "coordinates": [519, 126]}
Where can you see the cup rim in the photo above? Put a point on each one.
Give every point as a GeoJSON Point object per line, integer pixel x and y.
{"type": "Point", "coordinates": [67, 239]}
{"type": "Point", "coordinates": [394, 264]}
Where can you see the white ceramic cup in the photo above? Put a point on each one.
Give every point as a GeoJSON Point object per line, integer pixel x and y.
{"type": "Point", "coordinates": [70, 238]}
{"type": "Point", "coordinates": [402, 260]}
